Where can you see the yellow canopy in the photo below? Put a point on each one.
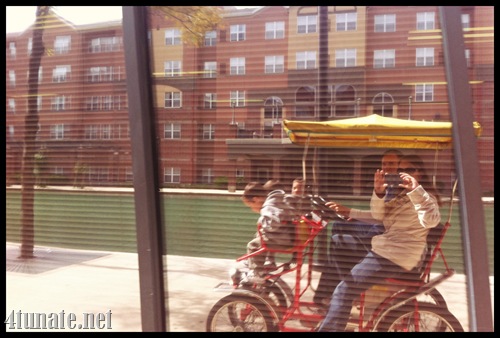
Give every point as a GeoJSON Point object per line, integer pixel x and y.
{"type": "Point", "coordinates": [373, 131]}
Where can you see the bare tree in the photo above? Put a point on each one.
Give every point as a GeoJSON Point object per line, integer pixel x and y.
{"type": "Point", "coordinates": [30, 130]}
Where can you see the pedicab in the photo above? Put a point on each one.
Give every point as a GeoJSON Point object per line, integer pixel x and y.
{"type": "Point", "coordinates": [278, 302]}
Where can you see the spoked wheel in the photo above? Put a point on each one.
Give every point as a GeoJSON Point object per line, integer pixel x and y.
{"type": "Point", "coordinates": [241, 313]}
{"type": "Point", "coordinates": [428, 318]}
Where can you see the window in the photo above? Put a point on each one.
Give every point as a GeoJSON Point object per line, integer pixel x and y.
{"type": "Point", "coordinates": [425, 57]}
{"type": "Point", "coordinates": [62, 44]}
{"type": "Point", "coordinates": [107, 102]}
{"type": "Point", "coordinates": [61, 73]}
{"type": "Point", "coordinates": [345, 58]}
{"type": "Point", "coordinates": [210, 69]}
{"type": "Point", "coordinates": [106, 131]}
{"type": "Point", "coordinates": [383, 104]}
{"type": "Point", "coordinates": [275, 30]}
{"type": "Point", "coordinates": [12, 106]}
{"type": "Point", "coordinates": [210, 101]}
{"type": "Point", "coordinates": [346, 21]}
{"type": "Point", "coordinates": [273, 108]}
{"type": "Point", "coordinates": [424, 93]}
{"type": "Point", "coordinates": [60, 103]}
{"type": "Point", "coordinates": [306, 24]}
{"type": "Point", "coordinates": [106, 44]}
{"type": "Point", "coordinates": [384, 58]}
{"type": "Point", "coordinates": [207, 175]}
{"type": "Point", "coordinates": [240, 173]}
{"type": "Point", "coordinates": [172, 37]}
{"type": "Point", "coordinates": [104, 74]}
{"type": "Point", "coordinates": [172, 68]}
{"type": "Point", "coordinates": [208, 132]}
{"type": "Point", "coordinates": [57, 132]}
{"type": "Point", "coordinates": [306, 60]}
{"type": "Point", "coordinates": [465, 20]}
{"type": "Point", "coordinates": [344, 99]}
{"type": "Point", "coordinates": [274, 64]}
{"type": "Point", "coordinates": [467, 58]}
{"type": "Point", "coordinates": [172, 131]}
{"type": "Point", "coordinates": [385, 23]}
{"type": "Point", "coordinates": [237, 97]}
{"type": "Point", "coordinates": [12, 78]}
{"type": "Point", "coordinates": [92, 132]}
{"type": "Point", "coordinates": [12, 49]}
{"type": "Point", "coordinates": [172, 175]}
{"type": "Point", "coordinates": [30, 45]}
{"type": "Point", "coordinates": [237, 66]}
{"type": "Point", "coordinates": [425, 20]}
{"type": "Point", "coordinates": [305, 98]}
{"type": "Point", "coordinates": [238, 32]}
{"type": "Point", "coordinates": [211, 38]}
{"type": "Point", "coordinates": [173, 100]}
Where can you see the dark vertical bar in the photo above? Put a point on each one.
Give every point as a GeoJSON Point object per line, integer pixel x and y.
{"type": "Point", "coordinates": [142, 133]}
{"type": "Point", "coordinates": [323, 113]}
{"type": "Point", "coordinates": [466, 162]}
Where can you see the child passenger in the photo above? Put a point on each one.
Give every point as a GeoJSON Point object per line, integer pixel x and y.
{"type": "Point", "coordinates": [276, 220]}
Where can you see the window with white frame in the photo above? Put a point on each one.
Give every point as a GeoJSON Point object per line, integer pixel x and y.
{"type": "Point", "coordinates": [172, 68]}
{"type": "Point", "coordinates": [384, 58]}
{"type": "Point", "coordinates": [273, 108]}
{"type": "Point", "coordinates": [237, 97]}
{"type": "Point", "coordinates": [346, 21]}
{"type": "Point", "coordinates": [385, 23]}
{"type": "Point", "coordinates": [92, 132]}
{"type": "Point", "coordinates": [172, 131]}
{"type": "Point", "coordinates": [129, 174]}
{"type": "Point", "coordinates": [208, 132]}
{"type": "Point", "coordinates": [207, 175]}
{"type": "Point", "coordinates": [172, 37]}
{"type": "Point", "coordinates": [424, 92]}
{"type": "Point", "coordinates": [106, 102]}
{"type": "Point", "coordinates": [57, 132]}
{"type": "Point", "coordinates": [275, 30]}
{"type": "Point", "coordinates": [173, 99]}
{"type": "Point", "coordinates": [237, 66]}
{"type": "Point", "coordinates": [237, 32]}
{"type": "Point", "coordinates": [345, 57]}
{"type": "Point", "coordinates": [467, 58]}
{"type": "Point", "coordinates": [106, 44]}
{"type": "Point", "coordinates": [12, 105]}
{"type": "Point", "coordinates": [106, 131]}
{"type": "Point", "coordinates": [274, 64]}
{"type": "Point", "coordinates": [306, 60]}
{"type": "Point", "coordinates": [424, 57]}
{"type": "Point", "coordinates": [425, 20]}
{"type": "Point", "coordinates": [210, 69]}
{"type": "Point", "coordinates": [61, 73]}
{"type": "Point", "coordinates": [210, 101]}
{"type": "Point", "coordinates": [172, 175]}
{"type": "Point", "coordinates": [465, 20]}
{"type": "Point", "coordinates": [240, 173]}
{"type": "Point", "coordinates": [211, 38]}
{"type": "Point", "coordinates": [383, 104]}
{"type": "Point", "coordinates": [30, 45]}
{"type": "Point", "coordinates": [60, 103]}
{"type": "Point", "coordinates": [12, 78]}
{"type": "Point", "coordinates": [62, 44]}
{"type": "Point", "coordinates": [307, 24]}
{"type": "Point", "coordinates": [12, 50]}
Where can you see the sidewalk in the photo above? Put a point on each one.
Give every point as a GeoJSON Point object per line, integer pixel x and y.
{"type": "Point", "coordinates": [80, 281]}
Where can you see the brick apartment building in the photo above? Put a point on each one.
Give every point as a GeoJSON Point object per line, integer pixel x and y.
{"type": "Point", "coordinates": [219, 107]}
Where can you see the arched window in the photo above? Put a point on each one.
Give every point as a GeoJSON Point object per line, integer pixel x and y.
{"type": "Point", "coordinates": [273, 108]}
{"type": "Point", "coordinates": [344, 101]}
{"type": "Point", "coordinates": [305, 99]}
{"type": "Point", "coordinates": [383, 104]}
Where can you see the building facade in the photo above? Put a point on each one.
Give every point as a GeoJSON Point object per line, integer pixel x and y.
{"type": "Point", "coordinates": [218, 107]}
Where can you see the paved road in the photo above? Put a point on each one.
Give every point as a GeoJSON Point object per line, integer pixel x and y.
{"type": "Point", "coordinates": [80, 281]}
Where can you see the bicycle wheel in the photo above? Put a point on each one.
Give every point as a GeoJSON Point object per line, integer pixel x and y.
{"type": "Point", "coordinates": [434, 297]}
{"type": "Point", "coordinates": [241, 313]}
{"type": "Point", "coordinates": [429, 318]}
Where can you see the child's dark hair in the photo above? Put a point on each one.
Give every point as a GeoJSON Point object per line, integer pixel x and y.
{"type": "Point", "coordinates": [254, 189]}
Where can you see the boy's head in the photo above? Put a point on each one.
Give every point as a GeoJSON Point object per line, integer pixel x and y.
{"type": "Point", "coordinates": [254, 196]}
{"type": "Point", "coordinates": [298, 186]}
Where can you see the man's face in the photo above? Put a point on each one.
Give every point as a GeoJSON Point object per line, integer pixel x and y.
{"type": "Point", "coordinates": [390, 163]}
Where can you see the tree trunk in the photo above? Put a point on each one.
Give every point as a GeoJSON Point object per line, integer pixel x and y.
{"type": "Point", "coordinates": [29, 146]}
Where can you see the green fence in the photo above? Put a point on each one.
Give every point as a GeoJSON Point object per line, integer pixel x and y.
{"type": "Point", "coordinates": [200, 226]}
